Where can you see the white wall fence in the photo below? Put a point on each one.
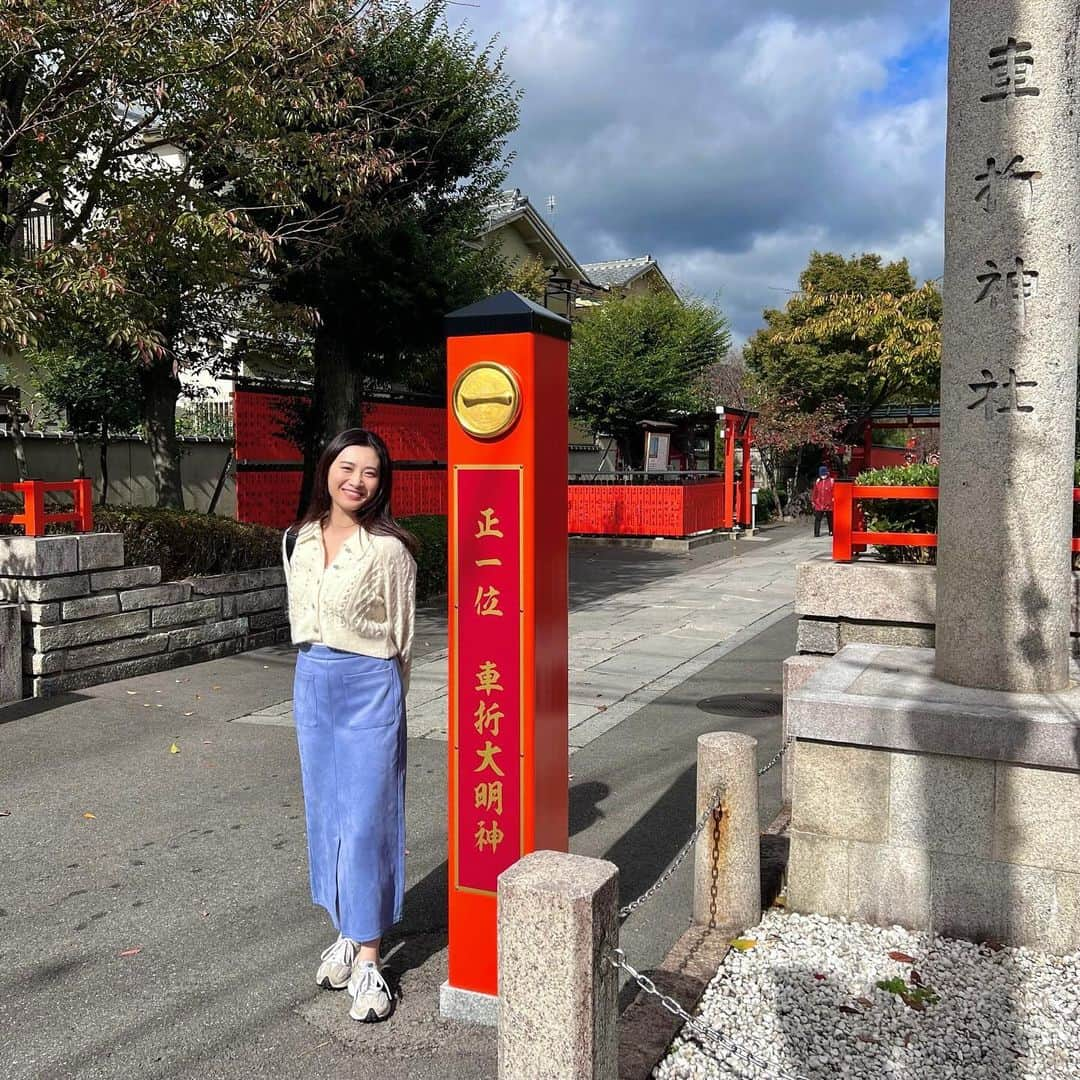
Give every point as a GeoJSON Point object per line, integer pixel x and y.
{"type": "Point", "coordinates": [131, 475]}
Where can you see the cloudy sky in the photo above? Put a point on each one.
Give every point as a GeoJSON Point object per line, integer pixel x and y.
{"type": "Point", "coordinates": [730, 138]}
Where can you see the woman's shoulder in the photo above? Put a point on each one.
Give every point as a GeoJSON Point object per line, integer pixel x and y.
{"type": "Point", "coordinates": [390, 547]}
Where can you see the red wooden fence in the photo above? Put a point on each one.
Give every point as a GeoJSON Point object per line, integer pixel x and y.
{"type": "Point", "coordinates": [849, 538]}
{"type": "Point", "coordinates": [34, 517]}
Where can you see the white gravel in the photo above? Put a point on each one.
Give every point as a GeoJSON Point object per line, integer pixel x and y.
{"type": "Point", "coordinates": [1003, 1014]}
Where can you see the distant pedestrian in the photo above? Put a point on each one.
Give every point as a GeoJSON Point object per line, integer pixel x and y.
{"type": "Point", "coordinates": [352, 598]}
{"type": "Point", "coordinates": [821, 499]}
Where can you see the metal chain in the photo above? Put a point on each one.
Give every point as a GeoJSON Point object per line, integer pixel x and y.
{"type": "Point", "coordinates": [685, 850]}
{"type": "Point", "coordinates": [675, 863]}
{"type": "Point", "coordinates": [710, 1037]}
{"type": "Point", "coordinates": [776, 757]}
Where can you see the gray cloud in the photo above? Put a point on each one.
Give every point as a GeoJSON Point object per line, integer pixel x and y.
{"type": "Point", "coordinates": [728, 139]}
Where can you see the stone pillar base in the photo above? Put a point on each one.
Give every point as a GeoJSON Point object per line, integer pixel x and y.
{"type": "Point", "coordinates": [935, 806]}
{"type": "Point", "coordinates": [468, 1006]}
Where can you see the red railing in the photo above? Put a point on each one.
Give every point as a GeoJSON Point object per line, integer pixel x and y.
{"type": "Point", "coordinates": [33, 518]}
{"type": "Point", "coordinates": [849, 538]}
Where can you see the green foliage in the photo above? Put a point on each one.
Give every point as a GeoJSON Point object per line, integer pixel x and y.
{"type": "Point", "coordinates": [644, 358]}
{"type": "Point", "coordinates": [392, 265]}
{"type": "Point", "coordinates": [902, 515]}
{"type": "Point", "coordinates": [186, 544]}
{"type": "Point", "coordinates": [431, 562]}
{"type": "Point", "coordinates": [858, 331]}
{"type": "Point", "coordinates": [767, 507]}
{"type": "Point", "coordinates": [96, 387]}
{"type": "Point", "coordinates": [529, 279]}
{"type": "Point", "coordinates": [916, 995]}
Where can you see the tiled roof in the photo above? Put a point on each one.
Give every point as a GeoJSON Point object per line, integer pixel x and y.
{"type": "Point", "coordinates": [617, 271]}
{"type": "Point", "coordinates": [504, 205]}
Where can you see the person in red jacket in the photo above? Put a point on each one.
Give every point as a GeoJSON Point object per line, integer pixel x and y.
{"type": "Point", "coordinates": [822, 499]}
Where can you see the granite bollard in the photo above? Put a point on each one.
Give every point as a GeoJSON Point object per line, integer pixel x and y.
{"type": "Point", "coordinates": [727, 859]}
{"type": "Point", "coordinates": [558, 992]}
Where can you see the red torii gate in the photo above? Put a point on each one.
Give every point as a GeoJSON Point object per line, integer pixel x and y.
{"type": "Point", "coordinates": [737, 505]}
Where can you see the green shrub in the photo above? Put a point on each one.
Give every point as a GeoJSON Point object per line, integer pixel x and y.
{"type": "Point", "coordinates": [902, 515]}
{"type": "Point", "coordinates": [766, 506]}
{"type": "Point", "coordinates": [430, 530]}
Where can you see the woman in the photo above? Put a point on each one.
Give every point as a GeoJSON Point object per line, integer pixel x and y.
{"type": "Point", "coordinates": [821, 499]}
{"type": "Point", "coordinates": [351, 575]}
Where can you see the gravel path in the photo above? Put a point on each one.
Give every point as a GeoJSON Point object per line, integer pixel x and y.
{"type": "Point", "coordinates": [805, 999]}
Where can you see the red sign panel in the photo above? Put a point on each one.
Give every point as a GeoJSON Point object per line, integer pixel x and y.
{"type": "Point", "coordinates": [488, 709]}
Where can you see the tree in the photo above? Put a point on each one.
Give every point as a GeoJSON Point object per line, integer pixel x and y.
{"type": "Point", "coordinates": [859, 331]}
{"type": "Point", "coordinates": [643, 358]}
{"type": "Point", "coordinates": [96, 387]}
{"type": "Point", "coordinates": [393, 265]}
{"type": "Point", "coordinates": [529, 279]}
{"type": "Point", "coordinates": [155, 250]}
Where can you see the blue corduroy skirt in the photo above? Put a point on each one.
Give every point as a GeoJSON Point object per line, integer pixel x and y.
{"type": "Point", "coordinates": [350, 724]}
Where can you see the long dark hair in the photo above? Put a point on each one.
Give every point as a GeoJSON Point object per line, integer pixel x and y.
{"type": "Point", "coordinates": [375, 515]}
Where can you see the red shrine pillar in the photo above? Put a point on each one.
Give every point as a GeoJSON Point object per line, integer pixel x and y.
{"type": "Point", "coordinates": [746, 440]}
{"type": "Point", "coordinates": [727, 519]}
{"type": "Point", "coordinates": [507, 738]}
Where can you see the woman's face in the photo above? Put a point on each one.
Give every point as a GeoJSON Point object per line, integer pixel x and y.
{"type": "Point", "coordinates": [354, 478]}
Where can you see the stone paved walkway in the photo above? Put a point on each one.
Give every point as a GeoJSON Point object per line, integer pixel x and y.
{"type": "Point", "coordinates": [632, 646]}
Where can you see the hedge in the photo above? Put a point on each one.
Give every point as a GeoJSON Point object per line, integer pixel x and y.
{"type": "Point", "coordinates": [902, 515]}
{"type": "Point", "coordinates": [186, 544]}
{"type": "Point", "coordinates": [916, 515]}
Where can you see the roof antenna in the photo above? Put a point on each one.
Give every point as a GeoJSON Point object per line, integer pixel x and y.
{"type": "Point", "coordinates": [551, 205]}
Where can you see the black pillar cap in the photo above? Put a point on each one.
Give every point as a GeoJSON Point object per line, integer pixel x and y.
{"type": "Point", "coordinates": [506, 313]}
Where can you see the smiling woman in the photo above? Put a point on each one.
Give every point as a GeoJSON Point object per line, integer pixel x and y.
{"type": "Point", "coordinates": [352, 598]}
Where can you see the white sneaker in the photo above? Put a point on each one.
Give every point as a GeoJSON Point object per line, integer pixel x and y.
{"type": "Point", "coordinates": [337, 964]}
{"type": "Point", "coordinates": [371, 995]}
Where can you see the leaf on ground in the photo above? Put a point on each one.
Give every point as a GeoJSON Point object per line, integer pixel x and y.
{"type": "Point", "coordinates": [992, 945]}
{"type": "Point", "coordinates": [174, 749]}
{"type": "Point", "coordinates": [134, 951]}
{"type": "Point", "coordinates": [89, 816]}
{"type": "Point", "coordinates": [867, 1038]}
{"type": "Point", "coordinates": [865, 1002]}
{"type": "Point", "coordinates": [916, 978]}
{"type": "Point", "coordinates": [5, 813]}
{"type": "Point", "coordinates": [743, 944]}
{"type": "Point", "coordinates": [850, 1010]}
{"type": "Point", "coordinates": [780, 901]}
{"type": "Point", "coordinates": [902, 957]}
{"type": "Point", "coordinates": [215, 687]}
{"type": "Point", "coordinates": [819, 976]}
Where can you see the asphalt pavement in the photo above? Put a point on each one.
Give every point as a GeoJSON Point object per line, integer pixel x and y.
{"type": "Point", "coordinates": [155, 919]}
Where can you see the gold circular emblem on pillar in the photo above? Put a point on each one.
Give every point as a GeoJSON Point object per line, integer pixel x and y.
{"type": "Point", "coordinates": [486, 399]}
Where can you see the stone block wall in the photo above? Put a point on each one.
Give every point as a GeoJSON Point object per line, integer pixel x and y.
{"type": "Point", "coordinates": [874, 603]}
{"type": "Point", "coordinates": [88, 619]}
{"type": "Point", "coordinates": [964, 847]}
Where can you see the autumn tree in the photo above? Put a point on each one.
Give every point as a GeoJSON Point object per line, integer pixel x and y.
{"type": "Point", "coordinates": [643, 358]}
{"type": "Point", "coordinates": [859, 331]}
{"type": "Point", "coordinates": [167, 148]}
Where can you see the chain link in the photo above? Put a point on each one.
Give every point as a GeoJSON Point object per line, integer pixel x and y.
{"type": "Point", "coordinates": [710, 1038]}
{"type": "Point", "coordinates": [699, 828]}
{"type": "Point", "coordinates": [675, 863]}
{"type": "Point", "coordinates": [776, 757]}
